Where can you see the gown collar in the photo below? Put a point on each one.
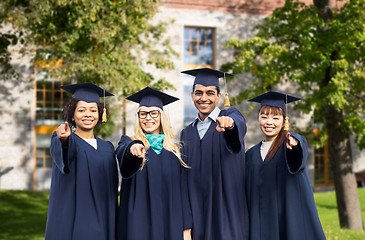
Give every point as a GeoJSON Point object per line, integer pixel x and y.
{"type": "Point", "coordinates": [213, 116]}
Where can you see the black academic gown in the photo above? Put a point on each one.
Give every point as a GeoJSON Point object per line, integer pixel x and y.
{"type": "Point", "coordinates": [153, 201]}
{"type": "Point", "coordinates": [84, 191]}
{"type": "Point", "coordinates": [280, 197]}
{"type": "Point", "coordinates": [216, 180]}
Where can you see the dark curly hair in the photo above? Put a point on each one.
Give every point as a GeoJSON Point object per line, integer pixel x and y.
{"type": "Point", "coordinates": [70, 107]}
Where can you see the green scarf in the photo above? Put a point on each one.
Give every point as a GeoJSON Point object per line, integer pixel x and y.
{"type": "Point", "coordinates": [156, 141]}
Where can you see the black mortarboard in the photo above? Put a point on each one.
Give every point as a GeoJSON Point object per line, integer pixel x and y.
{"type": "Point", "coordinates": [207, 76]}
{"type": "Point", "coordinates": [274, 99]}
{"type": "Point", "coordinates": [88, 92]}
{"type": "Point", "coordinates": [149, 97]}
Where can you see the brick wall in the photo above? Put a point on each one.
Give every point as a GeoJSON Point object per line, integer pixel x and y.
{"type": "Point", "coordinates": [16, 128]}
{"type": "Point", "coordinates": [258, 7]}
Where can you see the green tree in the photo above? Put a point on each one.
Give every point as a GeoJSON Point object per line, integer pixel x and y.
{"type": "Point", "coordinates": [108, 42]}
{"type": "Point", "coordinates": [320, 50]}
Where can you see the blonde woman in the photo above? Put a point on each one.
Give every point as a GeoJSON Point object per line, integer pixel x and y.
{"type": "Point", "coordinates": [153, 202]}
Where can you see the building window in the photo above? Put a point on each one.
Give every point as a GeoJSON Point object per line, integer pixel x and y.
{"type": "Point", "coordinates": [43, 166]}
{"type": "Point", "coordinates": [49, 104]}
{"type": "Point", "coordinates": [198, 52]}
{"type": "Point", "coordinates": [198, 46]}
{"type": "Point", "coordinates": [49, 96]}
{"type": "Point", "coordinates": [322, 170]}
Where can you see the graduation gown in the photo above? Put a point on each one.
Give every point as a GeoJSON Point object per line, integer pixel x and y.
{"type": "Point", "coordinates": [84, 190]}
{"type": "Point", "coordinates": [153, 201]}
{"type": "Point", "coordinates": [280, 197]}
{"type": "Point", "coordinates": [216, 180]}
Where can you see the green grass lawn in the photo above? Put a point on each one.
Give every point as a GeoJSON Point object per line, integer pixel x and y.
{"type": "Point", "coordinates": [327, 210]}
{"type": "Point", "coordinates": [23, 215]}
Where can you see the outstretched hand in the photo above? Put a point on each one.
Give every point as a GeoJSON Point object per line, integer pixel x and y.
{"type": "Point", "coordinates": [138, 150]}
{"type": "Point", "coordinates": [63, 132]}
{"type": "Point", "coordinates": [291, 141]}
{"type": "Point", "coordinates": [224, 122]}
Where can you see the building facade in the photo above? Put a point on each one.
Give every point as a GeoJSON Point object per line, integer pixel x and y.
{"type": "Point", "coordinates": [199, 29]}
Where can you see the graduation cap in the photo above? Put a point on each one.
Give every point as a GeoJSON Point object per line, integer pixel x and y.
{"type": "Point", "coordinates": [209, 77]}
{"type": "Point", "coordinates": [276, 99]}
{"type": "Point", "coordinates": [149, 97]}
{"type": "Point", "coordinates": [88, 92]}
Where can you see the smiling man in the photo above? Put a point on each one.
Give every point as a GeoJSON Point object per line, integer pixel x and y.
{"type": "Point", "coordinates": [213, 146]}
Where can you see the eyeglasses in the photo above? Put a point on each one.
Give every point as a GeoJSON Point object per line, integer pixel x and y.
{"type": "Point", "coordinates": [153, 114]}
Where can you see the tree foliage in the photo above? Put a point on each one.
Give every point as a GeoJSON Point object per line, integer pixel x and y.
{"type": "Point", "coordinates": [108, 42]}
{"type": "Point", "coordinates": [296, 45]}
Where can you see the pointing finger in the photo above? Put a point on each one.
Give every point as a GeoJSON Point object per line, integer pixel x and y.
{"type": "Point", "coordinates": [67, 127]}
{"type": "Point", "coordinates": [62, 128]}
{"type": "Point", "coordinates": [141, 150]}
{"type": "Point", "coordinates": [220, 129]}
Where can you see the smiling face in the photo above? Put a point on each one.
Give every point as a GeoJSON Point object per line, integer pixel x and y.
{"type": "Point", "coordinates": [86, 116]}
{"type": "Point", "coordinates": [150, 120]}
{"type": "Point", "coordinates": [205, 99]}
{"type": "Point", "coordinates": [271, 121]}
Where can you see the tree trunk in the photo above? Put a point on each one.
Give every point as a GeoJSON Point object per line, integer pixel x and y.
{"type": "Point", "coordinates": [347, 197]}
{"type": "Point", "coordinates": [339, 148]}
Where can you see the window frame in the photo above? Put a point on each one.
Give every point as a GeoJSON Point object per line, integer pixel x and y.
{"type": "Point", "coordinates": [190, 112]}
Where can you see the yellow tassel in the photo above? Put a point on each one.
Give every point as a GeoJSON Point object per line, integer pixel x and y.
{"type": "Point", "coordinates": [286, 124]}
{"type": "Point", "coordinates": [104, 118]}
{"type": "Point", "coordinates": [227, 103]}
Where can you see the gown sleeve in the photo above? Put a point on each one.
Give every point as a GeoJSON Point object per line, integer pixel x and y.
{"type": "Point", "coordinates": [187, 216]}
{"type": "Point", "coordinates": [234, 137]}
{"type": "Point", "coordinates": [63, 156]}
{"type": "Point", "coordinates": [128, 163]}
{"type": "Point", "coordinates": [297, 157]}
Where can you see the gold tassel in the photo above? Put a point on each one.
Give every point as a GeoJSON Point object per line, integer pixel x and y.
{"type": "Point", "coordinates": [104, 118]}
{"type": "Point", "coordinates": [286, 124]}
{"type": "Point", "coordinates": [227, 103]}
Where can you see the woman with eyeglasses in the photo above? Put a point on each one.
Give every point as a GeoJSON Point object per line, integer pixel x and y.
{"type": "Point", "coordinates": [153, 201]}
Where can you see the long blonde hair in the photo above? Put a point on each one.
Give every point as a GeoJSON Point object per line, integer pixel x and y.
{"type": "Point", "coordinates": [168, 143]}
